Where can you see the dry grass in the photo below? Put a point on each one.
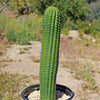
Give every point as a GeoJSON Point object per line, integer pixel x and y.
{"type": "Point", "coordinates": [23, 50]}
{"type": "Point", "coordinates": [6, 59]}
{"type": "Point", "coordinates": [12, 84]}
{"type": "Point", "coordinates": [35, 59]}
{"type": "Point", "coordinates": [81, 57]}
{"type": "Point", "coordinates": [3, 48]}
{"type": "Point", "coordinates": [80, 49]}
{"type": "Point", "coordinates": [3, 65]}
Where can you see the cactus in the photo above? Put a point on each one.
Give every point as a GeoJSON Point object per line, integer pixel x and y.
{"type": "Point", "coordinates": [49, 53]}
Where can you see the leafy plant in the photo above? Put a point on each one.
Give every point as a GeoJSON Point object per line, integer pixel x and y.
{"type": "Point", "coordinates": [49, 53]}
{"type": "Point", "coordinates": [21, 30]}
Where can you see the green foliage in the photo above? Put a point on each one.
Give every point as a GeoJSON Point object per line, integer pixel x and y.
{"type": "Point", "coordinates": [40, 5]}
{"type": "Point", "coordinates": [3, 20]}
{"type": "Point", "coordinates": [20, 30]}
{"type": "Point", "coordinates": [93, 29]}
{"type": "Point", "coordinates": [49, 53]}
{"type": "Point", "coordinates": [75, 9]}
{"type": "Point", "coordinates": [65, 31]}
{"type": "Point", "coordinates": [81, 32]}
{"type": "Point", "coordinates": [70, 25]}
{"type": "Point", "coordinates": [21, 52]}
{"type": "Point", "coordinates": [83, 25]}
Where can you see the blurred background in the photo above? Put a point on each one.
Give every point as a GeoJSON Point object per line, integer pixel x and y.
{"type": "Point", "coordinates": [23, 18]}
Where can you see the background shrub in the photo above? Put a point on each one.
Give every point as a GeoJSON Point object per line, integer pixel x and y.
{"type": "Point", "coordinates": [22, 30]}
{"type": "Point", "coordinates": [92, 29]}
{"type": "Point", "coordinates": [75, 15]}
{"type": "Point", "coordinates": [70, 25]}
{"type": "Point", "coordinates": [75, 9]}
{"type": "Point", "coordinates": [65, 31]}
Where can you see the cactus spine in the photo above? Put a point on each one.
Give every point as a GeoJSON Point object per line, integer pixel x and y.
{"type": "Point", "coordinates": [49, 53]}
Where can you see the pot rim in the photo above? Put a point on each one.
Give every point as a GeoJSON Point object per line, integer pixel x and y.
{"type": "Point", "coordinates": [60, 87]}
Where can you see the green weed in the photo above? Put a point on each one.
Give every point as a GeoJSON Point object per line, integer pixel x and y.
{"type": "Point", "coordinates": [25, 49]}
{"type": "Point", "coordinates": [21, 52]}
{"type": "Point", "coordinates": [65, 31]}
{"type": "Point", "coordinates": [35, 59]}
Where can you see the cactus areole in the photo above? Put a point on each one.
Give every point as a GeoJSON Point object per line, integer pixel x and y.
{"type": "Point", "coordinates": [49, 53]}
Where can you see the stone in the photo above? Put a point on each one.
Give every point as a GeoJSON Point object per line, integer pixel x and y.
{"type": "Point", "coordinates": [35, 95]}
{"type": "Point", "coordinates": [73, 34]}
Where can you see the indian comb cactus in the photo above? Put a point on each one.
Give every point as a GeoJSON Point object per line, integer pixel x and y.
{"type": "Point", "coordinates": [49, 53]}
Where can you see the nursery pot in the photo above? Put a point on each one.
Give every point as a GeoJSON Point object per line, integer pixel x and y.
{"type": "Point", "coordinates": [62, 88]}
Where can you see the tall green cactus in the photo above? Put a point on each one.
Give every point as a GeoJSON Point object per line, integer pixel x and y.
{"type": "Point", "coordinates": [49, 53]}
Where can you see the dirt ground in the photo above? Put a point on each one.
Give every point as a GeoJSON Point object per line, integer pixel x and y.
{"type": "Point", "coordinates": [26, 60]}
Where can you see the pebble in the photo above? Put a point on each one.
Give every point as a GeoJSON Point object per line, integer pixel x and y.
{"type": "Point", "coordinates": [35, 95]}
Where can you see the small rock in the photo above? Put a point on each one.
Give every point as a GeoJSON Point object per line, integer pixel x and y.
{"type": "Point", "coordinates": [35, 95]}
{"type": "Point", "coordinates": [73, 34]}
{"type": "Point", "coordinates": [93, 40]}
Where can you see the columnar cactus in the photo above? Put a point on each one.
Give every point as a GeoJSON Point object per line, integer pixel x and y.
{"type": "Point", "coordinates": [49, 53]}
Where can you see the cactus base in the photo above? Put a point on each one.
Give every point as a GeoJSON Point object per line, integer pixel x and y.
{"type": "Point", "coordinates": [28, 90]}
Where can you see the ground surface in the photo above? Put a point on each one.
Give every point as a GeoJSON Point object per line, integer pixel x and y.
{"type": "Point", "coordinates": [25, 60]}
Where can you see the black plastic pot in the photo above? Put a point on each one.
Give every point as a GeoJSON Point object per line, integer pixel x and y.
{"type": "Point", "coordinates": [62, 88]}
